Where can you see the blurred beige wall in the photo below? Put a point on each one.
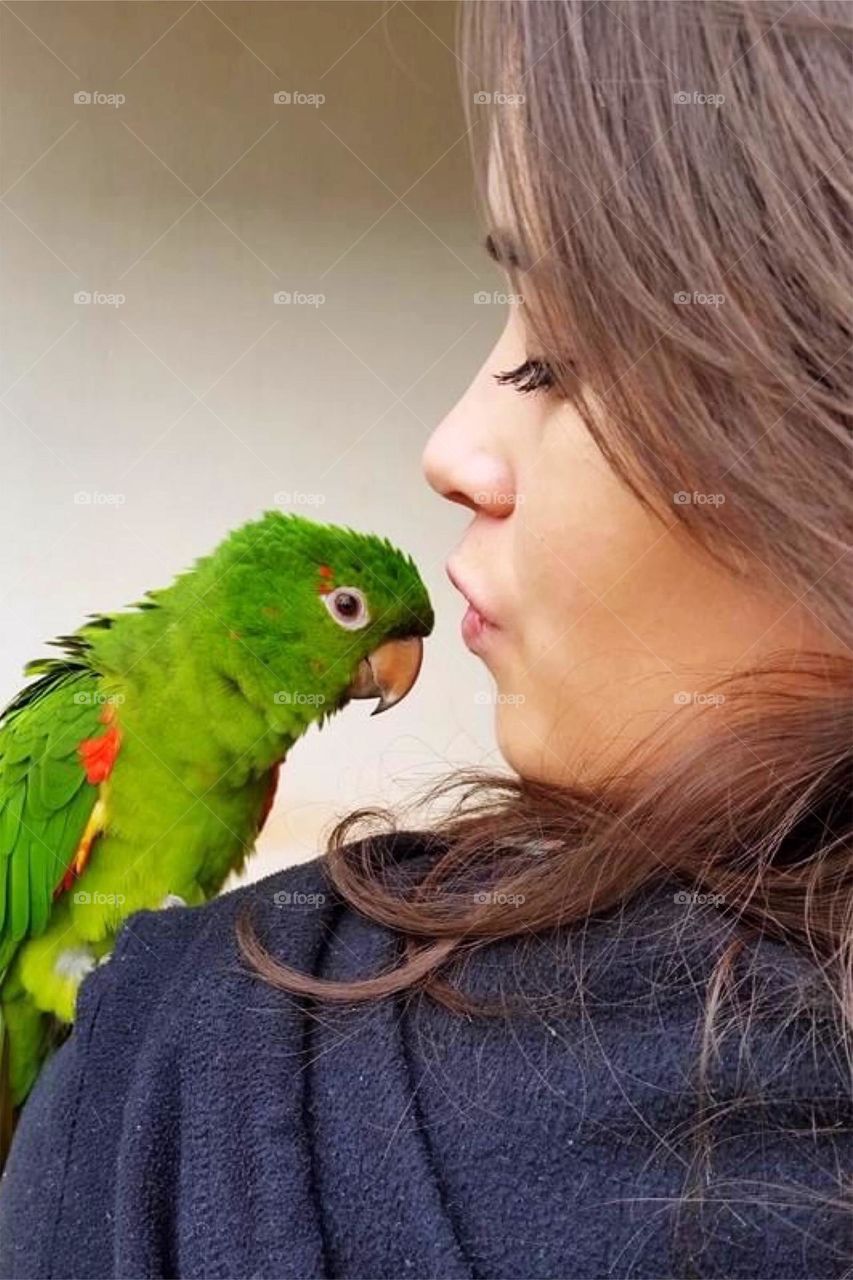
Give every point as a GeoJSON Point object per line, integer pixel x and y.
{"type": "Point", "coordinates": [182, 399]}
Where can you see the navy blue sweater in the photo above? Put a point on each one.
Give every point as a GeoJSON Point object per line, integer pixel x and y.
{"type": "Point", "coordinates": [200, 1123]}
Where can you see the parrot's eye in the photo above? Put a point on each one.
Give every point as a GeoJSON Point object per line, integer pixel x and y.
{"type": "Point", "coordinates": [348, 607]}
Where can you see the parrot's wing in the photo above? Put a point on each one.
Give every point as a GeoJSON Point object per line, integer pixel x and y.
{"type": "Point", "coordinates": [46, 799]}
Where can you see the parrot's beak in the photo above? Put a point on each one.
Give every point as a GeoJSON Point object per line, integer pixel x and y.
{"type": "Point", "coordinates": [388, 673]}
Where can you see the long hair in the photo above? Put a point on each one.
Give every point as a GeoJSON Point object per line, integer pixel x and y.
{"type": "Point", "coordinates": [675, 176]}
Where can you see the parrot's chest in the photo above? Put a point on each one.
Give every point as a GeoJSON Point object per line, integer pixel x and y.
{"type": "Point", "coordinates": [176, 837]}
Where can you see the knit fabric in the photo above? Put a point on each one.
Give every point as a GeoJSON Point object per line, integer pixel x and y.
{"type": "Point", "coordinates": [200, 1123]}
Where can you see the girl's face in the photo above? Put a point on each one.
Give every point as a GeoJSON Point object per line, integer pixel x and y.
{"type": "Point", "coordinates": [603, 620]}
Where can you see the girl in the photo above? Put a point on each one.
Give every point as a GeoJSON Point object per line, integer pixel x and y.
{"type": "Point", "coordinates": [596, 1020]}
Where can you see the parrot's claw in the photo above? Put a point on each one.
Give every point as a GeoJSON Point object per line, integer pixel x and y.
{"type": "Point", "coordinates": [173, 900]}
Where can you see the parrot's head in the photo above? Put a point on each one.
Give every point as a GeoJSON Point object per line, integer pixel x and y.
{"type": "Point", "coordinates": [316, 615]}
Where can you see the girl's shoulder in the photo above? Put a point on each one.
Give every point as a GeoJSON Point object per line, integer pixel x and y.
{"type": "Point", "coordinates": [182, 1126]}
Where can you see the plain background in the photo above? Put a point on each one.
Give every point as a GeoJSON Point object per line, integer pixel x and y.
{"type": "Point", "coordinates": [198, 402]}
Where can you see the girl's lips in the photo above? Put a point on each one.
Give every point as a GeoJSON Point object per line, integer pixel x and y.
{"type": "Point", "coordinates": [476, 625]}
{"type": "Point", "coordinates": [475, 605]}
{"type": "Point", "coordinates": [475, 629]}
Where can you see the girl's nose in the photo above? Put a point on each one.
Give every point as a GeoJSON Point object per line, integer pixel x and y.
{"type": "Point", "coordinates": [474, 478]}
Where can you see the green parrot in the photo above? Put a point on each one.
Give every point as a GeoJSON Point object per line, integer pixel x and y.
{"type": "Point", "coordinates": [138, 769]}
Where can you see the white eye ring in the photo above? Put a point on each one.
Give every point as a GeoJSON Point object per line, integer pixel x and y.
{"type": "Point", "coordinates": [333, 600]}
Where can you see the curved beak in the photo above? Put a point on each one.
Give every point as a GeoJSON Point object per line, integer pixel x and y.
{"type": "Point", "coordinates": [388, 673]}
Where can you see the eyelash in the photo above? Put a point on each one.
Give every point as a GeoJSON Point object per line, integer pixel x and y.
{"type": "Point", "coordinates": [532, 375]}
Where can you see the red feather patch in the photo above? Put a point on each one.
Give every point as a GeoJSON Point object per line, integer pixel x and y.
{"type": "Point", "coordinates": [98, 755]}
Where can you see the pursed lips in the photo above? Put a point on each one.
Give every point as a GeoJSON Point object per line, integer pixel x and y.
{"type": "Point", "coordinates": [466, 592]}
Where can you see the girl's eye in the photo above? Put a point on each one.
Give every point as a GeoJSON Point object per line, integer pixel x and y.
{"type": "Point", "coordinates": [348, 607]}
{"type": "Point", "coordinates": [532, 375]}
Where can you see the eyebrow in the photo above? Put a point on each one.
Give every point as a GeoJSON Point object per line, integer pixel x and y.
{"type": "Point", "coordinates": [502, 249]}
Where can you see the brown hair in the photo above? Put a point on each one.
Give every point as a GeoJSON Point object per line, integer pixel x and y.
{"type": "Point", "coordinates": [655, 156]}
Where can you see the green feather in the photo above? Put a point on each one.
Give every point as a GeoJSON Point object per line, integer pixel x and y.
{"type": "Point", "coordinates": [45, 800]}
{"type": "Point", "coordinates": [19, 887]}
{"type": "Point", "coordinates": [11, 809]}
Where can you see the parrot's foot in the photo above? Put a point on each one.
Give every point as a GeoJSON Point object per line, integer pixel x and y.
{"type": "Point", "coordinates": [52, 966]}
{"type": "Point", "coordinates": [74, 963]}
{"type": "Point", "coordinates": [173, 900]}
